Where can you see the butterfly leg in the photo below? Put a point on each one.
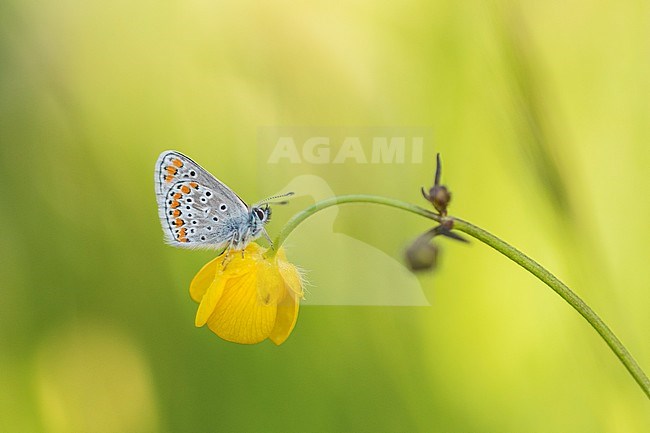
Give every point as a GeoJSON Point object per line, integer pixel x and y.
{"type": "Point", "coordinates": [268, 238]}
{"type": "Point", "coordinates": [226, 253]}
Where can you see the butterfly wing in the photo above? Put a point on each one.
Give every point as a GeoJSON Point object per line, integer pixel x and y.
{"type": "Point", "coordinates": [196, 210]}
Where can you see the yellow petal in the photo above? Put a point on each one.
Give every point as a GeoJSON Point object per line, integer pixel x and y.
{"type": "Point", "coordinates": [239, 316]}
{"type": "Point", "coordinates": [270, 285]}
{"type": "Point", "coordinates": [285, 319]}
{"type": "Point", "coordinates": [204, 278]}
{"type": "Point", "coordinates": [209, 301]}
{"type": "Point", "coordinates": [291, 277]}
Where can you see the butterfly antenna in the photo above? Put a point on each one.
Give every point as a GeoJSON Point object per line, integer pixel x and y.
{"type": "Point", "coordinates": [270, 199]}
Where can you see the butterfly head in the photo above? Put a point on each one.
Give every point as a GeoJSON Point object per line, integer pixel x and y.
{"type": "Point", "coordinates": [261, 214]}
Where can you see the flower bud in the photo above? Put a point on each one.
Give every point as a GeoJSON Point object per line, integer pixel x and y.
{"type": "Point", "coordinates": [422, 254]}
{"type": "Point", "coordinates": [438, 195]}
{"type": "Point", "coordinates": [440, 198]}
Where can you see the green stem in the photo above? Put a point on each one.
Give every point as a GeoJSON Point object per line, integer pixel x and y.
{"type": "Point", "coordinates": [565, 292]}
{"type": "Point", "coordinates": [504, 248]}
{"type": "Point", "coordinates": [353, 198]}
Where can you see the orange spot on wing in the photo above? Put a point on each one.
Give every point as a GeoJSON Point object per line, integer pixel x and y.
{"type": "Point", "coordinates": [178, 195]}
{"type": "Point", "coordinates": [171, 170]}
{"type": "Point", "coordinates": [176, 213]}
{"type": "Point", "coordinates": [185, 189]}
{"type": "Point", "coordinates": [179, 222]}
{"type": "Point", "coordinates": [169, 178]}
{"type": "Point", "coordinates": [177, 162]}
{"type": "Point", "coordinates": [194, 185]}
{"type": "Point", "coordinates": [175, 204]}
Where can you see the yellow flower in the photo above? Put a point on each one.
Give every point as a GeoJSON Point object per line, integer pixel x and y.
{"type": "Point", "coordinates": [249, 300]}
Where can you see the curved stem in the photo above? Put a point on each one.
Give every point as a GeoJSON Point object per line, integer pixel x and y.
{"type": "Point", "coordinates": [353, 198]}
{"type": "Point", "coordinates": [565, 292]}
{"type": "Point", "coordinates": [501, 246]}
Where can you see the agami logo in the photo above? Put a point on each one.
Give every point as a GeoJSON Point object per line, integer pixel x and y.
{"type": "Point", "coordinates": [361, 150]}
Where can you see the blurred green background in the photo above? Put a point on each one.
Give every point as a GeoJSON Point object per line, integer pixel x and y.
{"type": "Point", "coordinates": [540, 109]}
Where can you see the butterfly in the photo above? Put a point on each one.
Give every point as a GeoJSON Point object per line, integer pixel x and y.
{"type": "Point", "coordinates": [198, 211]}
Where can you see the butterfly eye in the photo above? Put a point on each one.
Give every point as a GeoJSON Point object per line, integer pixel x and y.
{"type": "Point", "coordinates": [259, 213]}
